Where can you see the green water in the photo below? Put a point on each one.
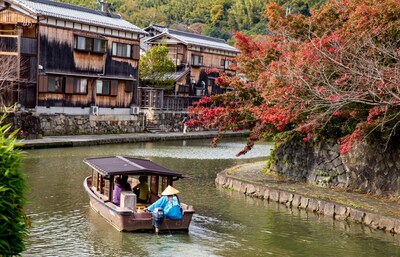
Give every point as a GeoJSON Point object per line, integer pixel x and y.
{"type": "Point", "coordinates": [226, 223]}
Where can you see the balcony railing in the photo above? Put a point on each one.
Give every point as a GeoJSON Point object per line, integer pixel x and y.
{"type": "Point", "coordinates": [155, 98]}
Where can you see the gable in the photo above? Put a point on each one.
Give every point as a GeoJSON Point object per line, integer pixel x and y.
{"type": "Point", "coordinates": [10, 16]}
{"type": "Point", "coordinates": [166, 39]}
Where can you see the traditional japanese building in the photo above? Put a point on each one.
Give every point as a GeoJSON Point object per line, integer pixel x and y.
{"type": "Point", "coordinates": [69, 59]}
{"type": "Point", "coordinates": [198, 59]}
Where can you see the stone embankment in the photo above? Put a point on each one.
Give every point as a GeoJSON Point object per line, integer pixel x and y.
{"type": "Point", "coordinates": [378, 213]}
{"type": "Point", "coordinates": [85, 140]}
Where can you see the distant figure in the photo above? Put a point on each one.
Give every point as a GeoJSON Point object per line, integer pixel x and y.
{"type": "Point", "coordinates": [184, 121]}
{"type": "Point", "coordinates": [124, 183]}
{"type": "Point", "coordinates": [142, 190]}
{"type": "Point", "coordinates": [170, 204]}
{"type": "Point", "coordinates": [117, 191]}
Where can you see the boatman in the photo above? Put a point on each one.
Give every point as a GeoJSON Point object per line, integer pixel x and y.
{"type": "Point", "coordinates": [169, 203]}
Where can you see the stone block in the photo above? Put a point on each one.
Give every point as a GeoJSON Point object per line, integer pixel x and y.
{"type": "Point", "coordinates": [328, 208]}
{"type": "Point", "coordinates": [397, 226]}
{"type": "Point", "coordinates": [284, 197]}
{"type": "Point", "coordinates": [313, 205]}
{"type": "Point", "coordinates": [266, 194]}
{"type": "Point", "coordinates": [243, 187]}
{"type": "Point", "coordinates": [250, 189]}
{"type": "Point", "coordinates": [259, 191]}
{"type": "Point", "coordinates": [341, 212]}
{"type": "Point", "coordinates": [387, 224]}
{"type": "Point", "coordinates": [304, 202]}
{"type": "Point", "coordinates": [371, 219]}
{"type": "Point", "coordinates": [237, 185]}
{"type": "Point", "coordinates": [356, 215]}
{"type": "Point", "coordinates": [296, 201]}
{"type": "Point", "coordinates": [274, 195]}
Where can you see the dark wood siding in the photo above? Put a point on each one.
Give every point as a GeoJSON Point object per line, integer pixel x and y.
{"type": "Point", "coordinates": [135, 52]}
{"type": "Point", "coordinates": [69, 85]}
{"type": "Point", "coordinates": [114, 88]}
{"type": "Point", "coordinates": [43, 81]}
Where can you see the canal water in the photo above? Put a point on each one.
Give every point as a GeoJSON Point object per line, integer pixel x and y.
{"type": "Point", "coordinates": [226, 223]}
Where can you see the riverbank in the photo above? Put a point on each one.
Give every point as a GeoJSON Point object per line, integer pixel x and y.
{"type": "Point", "coordinates": [373, 211]}
{"type": "Point", "coordinates": [85, 140]}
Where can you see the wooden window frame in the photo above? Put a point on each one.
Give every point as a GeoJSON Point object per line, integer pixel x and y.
{"type": "Point", "coordinates": [199, 62]}
{"type": "Point", "coordinates": [107, 93]}
{"type": "Point", "coordinates": [117, 51]}
{"type": "Point", "coordinates": [90, 44]}
{"type": "Point", "coordinates": [103, 46]}
{"type": "Point", "coordinates": [76, 87]}
{"type": "Point", "coordinates": [57, 89]}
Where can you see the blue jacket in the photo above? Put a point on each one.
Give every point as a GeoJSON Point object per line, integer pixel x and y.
{"type": "Point", "coordinates": [172, 209]}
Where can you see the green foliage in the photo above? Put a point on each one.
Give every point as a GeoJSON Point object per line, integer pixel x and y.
{"type": "Point", "coordinates": [155, 66]}
{"type": "Point", "coordinates": [225, 16]}
{"type": "Point", "coordinates": [13, 222]}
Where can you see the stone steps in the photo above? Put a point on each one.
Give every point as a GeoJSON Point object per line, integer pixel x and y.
{"type": "Point", "coordinates": [154, 130]}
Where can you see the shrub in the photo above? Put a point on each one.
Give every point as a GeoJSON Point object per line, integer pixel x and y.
{"type": "Point", "coordinates": [13, 221]}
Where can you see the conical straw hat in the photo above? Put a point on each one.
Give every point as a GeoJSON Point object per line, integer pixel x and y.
{"type": "Point", "coordinates": [170, 191]}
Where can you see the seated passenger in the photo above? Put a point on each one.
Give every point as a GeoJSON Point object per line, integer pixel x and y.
{"type": "Point", "coordinates": [142, 190]}
{"type": "Point", "coordinates": [117, 191]}
{"type": "Point", "coordinates": [170, 204]}
{"type": "Point", "coordinates": [125, 184]}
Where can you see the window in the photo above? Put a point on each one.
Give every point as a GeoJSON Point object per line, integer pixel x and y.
{"type": "Point", "coordinates": [197, 60]}
{"type": "Point", "coordinates": [103, 87]}
{"type": "Point", "coordinates": [226, 63]}
{"type": "Point", "coordinates": [90, 44]}
{"type": "Point", "coordinates": [99, 46]}
{"type": "Point", "coordinates": [80, 86]}
{"type": "Point", "coordinates": [56, 84]}
{"type": "Point", "coordinates": [83, 43]}
{"type": "Point", "coordinates": [121, 50]}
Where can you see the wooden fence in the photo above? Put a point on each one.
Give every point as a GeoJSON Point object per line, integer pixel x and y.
{"type": "Point", "coordinates": [155, 98]}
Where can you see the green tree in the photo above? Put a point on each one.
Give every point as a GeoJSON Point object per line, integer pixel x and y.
{"type": "Point", "coordinates": [13, 221]}
{"type": "Point", "coordinates": [154, 67]}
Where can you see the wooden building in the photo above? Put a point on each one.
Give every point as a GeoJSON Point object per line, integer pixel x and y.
{"type": "Point", "coordinates": [70, 59]}
{"type": "Point", "coordinates": [196, 57]}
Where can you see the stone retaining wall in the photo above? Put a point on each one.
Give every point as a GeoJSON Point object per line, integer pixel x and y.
{"type": "Point", "coordinates": [318, 206]}
{"type": "Point", "coordinates": [369, 167]}
{"type": "Point", "coordinates": [61, 124]}
{"type": "Point", "coordinates": [28, 124]}
{"type": "Point", "coordinates": [34, 125]}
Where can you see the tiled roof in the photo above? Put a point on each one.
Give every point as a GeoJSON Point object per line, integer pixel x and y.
{"type": "Point", "coordinates": [196, 39]}
{"type": "Point", "coordinates": [76, 13]}
{"type": "Point", "coordinates": [175, 76]}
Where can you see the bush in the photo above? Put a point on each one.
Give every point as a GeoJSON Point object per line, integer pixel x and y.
{"type": "Point", "coordinates": [13, 221]}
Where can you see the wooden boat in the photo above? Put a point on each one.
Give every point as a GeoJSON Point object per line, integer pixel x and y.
{"type": "Point", "coordinates": [130, 215]}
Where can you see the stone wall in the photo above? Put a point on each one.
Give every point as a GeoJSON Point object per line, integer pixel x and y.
{"type": "Point", "coordinates": [35, 125]}
{"type": "Point", "coordinates": [367, 168]}
{"type": "Point", "coordinates": [61, 124]}
{"type": "Point", "coordinates": [164, 120]}
{"type": "Point", "coordinates": [311, 204]}
{"type": "Point", "coordinates": [28, 124]}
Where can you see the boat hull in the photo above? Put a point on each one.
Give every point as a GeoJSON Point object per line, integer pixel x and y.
{"type": "Point", "coordinates": [125, 219]}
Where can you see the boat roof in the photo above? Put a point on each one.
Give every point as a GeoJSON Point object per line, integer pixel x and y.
{"type": "Point", "coordinates": [121, 165]}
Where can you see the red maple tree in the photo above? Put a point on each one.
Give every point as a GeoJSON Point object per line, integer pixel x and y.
{"type": "Point", "coordinates": [334, 74]}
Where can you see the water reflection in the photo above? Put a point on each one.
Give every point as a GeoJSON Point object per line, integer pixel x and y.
{"type": "Point", "coordinates": [225, 224]}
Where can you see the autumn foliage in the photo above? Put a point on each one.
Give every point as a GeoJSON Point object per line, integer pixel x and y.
{"type": "Point", "coordinates": [334, 74]}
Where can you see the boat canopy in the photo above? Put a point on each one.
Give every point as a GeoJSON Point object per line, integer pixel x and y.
{"type": "Point", "coordinates": [120, 165]}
